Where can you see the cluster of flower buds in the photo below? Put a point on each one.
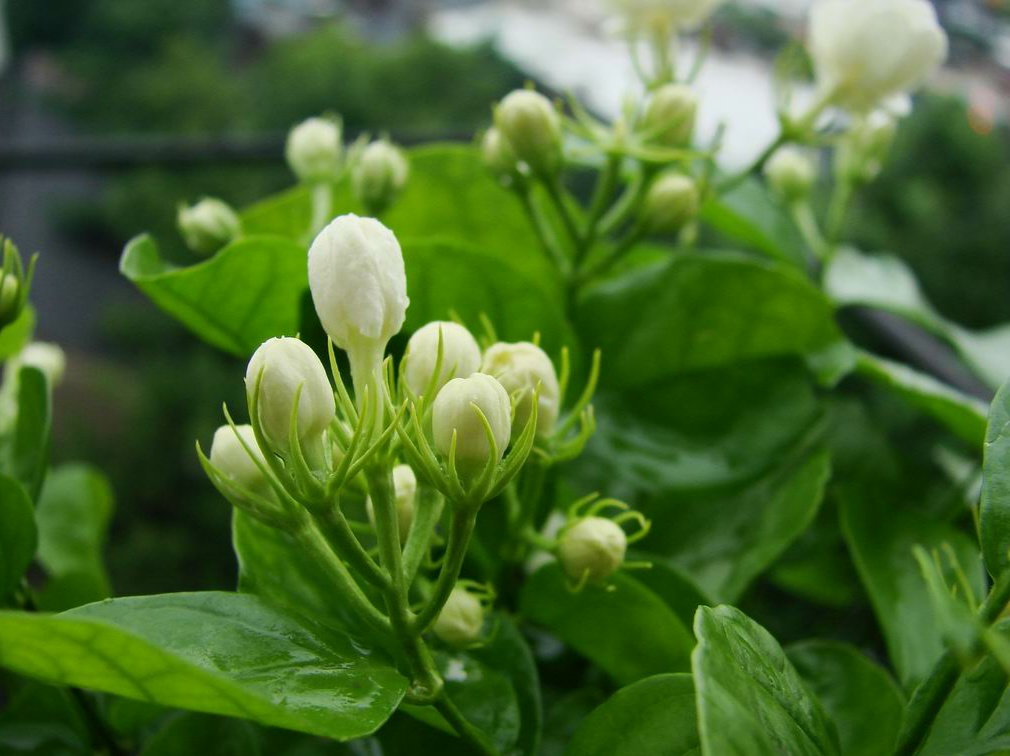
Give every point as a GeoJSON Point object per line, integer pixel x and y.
{"type": "Point", "coordinates": [15, 283]}
{"type": "Point", "coordinates": [208, 225]}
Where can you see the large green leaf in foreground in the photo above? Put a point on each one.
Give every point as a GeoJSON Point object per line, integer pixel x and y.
{"type": "Point", "coordinates": [220, 653]}
{"type": "Point", "coordinates": [994, 509]}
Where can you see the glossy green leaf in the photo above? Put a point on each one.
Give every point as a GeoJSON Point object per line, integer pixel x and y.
{"type": "Point", "coordinates": [24, 452]}
{"type": "Point", "coordinates": [964, 415]}
{"type": "Point", "coordinates": [219, 653]}
{"type": "Point", "coordinates": [18, 534]}
{"type": "Point", "coordinates": [751, 701]}
{"type": "Point", "coordinates": [652, 717]}
{"type": "Point", "coordinates": [629, 632]}
{"type": "Point", "coordinates": [885, 282]}
{"type": "Point", "coordinates": [73, 515]}
{"type": "Point", "coordinates": [859, 696]}
{"type": "Point", "coordinates": [247, 293]}
{"type": "Point", "coordinates": [994, 506]}
{"type": "Point", "coordinates": [881, 533]}
{"type": "Point", "coordinates": [14, 337]}
{"type": "Point", "coordinates": [699, 311]}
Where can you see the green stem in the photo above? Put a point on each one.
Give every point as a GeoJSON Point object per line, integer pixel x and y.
{"type": "Point", "coordinates": [931, 695]}
{"type": "Point", "coordinates": [337, 532]}
{"type": "Point", "coordinates": [755, 167]}
{"type": "Point", "coordinates": [810, 230]}
{"type": "Point", "coordinates": [628, 202]}
{"type": "Point", "coordinates": [430, 506]}
{"type": "Point", "coordinates": [555, 193]}
{"type": "Point", "coordinates": [840, 199]}
{"type": "Point", "coordinates": [322, 207]}
{"type": "Point", "coordinates": [460, 530]}
{"type": "Point", "coordinates": [547, 238]}
{"type": "Point", "coordinates": [605, 185]}
{"type": "Point", "coordinates": [467, 731]}
{"type": "Point", "coordinates": [622, 248]}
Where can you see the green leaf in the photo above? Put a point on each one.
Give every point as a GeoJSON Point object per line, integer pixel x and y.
{"type": "Point", "coordinates": [750, 216]}
{"type": "Point", "coordinates": [14, 337]}
{"type": "Point", "coordinates": [653, 717]}
{"type": "Point", "coordinates": [247, 293]}
{"type": "Point", "coordinates": [42, 721]}
{"type": "Point", "coordinates": [670, 583]}
{"type": "Point", "coordinates": [205, 735]}
{"type": "Point", "coordinates": [860, 697]}
{"type": "Point", "coordinates": [24, 452]}
{"type": "Point", "coordinates": [699, 311]}
{"type": "Point", "coordinates": [18, 534]}
{"type": "Point", "coordinates": [885, 282]}
{"type": "Point", "coordinates": [751, 701]}
{"type": "Point", "coordinates": [994, 506]}
{"type": "Point", "coordinates": [964, 415]}
{"type": "Point", "coordinates": [628, 632]}
{"type": "Point", "coordinates": [73, 515]}
{"type": "Point", "coordinates": [219, 653]}
{"type": "Point", "coordinates": [881, 533]}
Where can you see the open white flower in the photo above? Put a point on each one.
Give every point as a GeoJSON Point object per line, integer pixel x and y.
{"type": "Point", "coordinates": [866, 51]}
{"type": "Point", "coordinates": [359, 288]}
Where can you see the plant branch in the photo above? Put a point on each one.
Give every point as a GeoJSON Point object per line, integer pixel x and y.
{"type": "Point", "coordinates": [547, 238]}
{"type": "Point", "coordinates": [460, 530]}
{"type": "Point", "coordinates": [606, 183]}
{"type": "Point", "coordinates": [555, 193]}
{"type": "Point", "coordinates": [338, 533]}
{"type": "Point", "coordinates": [467, 731]}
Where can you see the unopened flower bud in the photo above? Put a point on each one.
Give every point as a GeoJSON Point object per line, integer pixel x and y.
{"type": "Point", "coordinates": [208, 225]}
{"type": "Point", "coordinates": [592, 549]}
{"type": "Point", "coordinates": [532, 127]}
{"type": "Point", "coordinates": [379, 175]}
{"type": "Point", "coordinates": [282, 368]}
{"type": "Point", "coordinates": [359, 288]}
{"type": "Point", "coordinates": [521, 368]}
{"type": "Point", "coordinates": [671, 202]}
{"type": "Point", "coordinates": [669, 116]}
{"type": "Point", "coordinates": [405, 492]}
{"type": "Point", "coordinates": [498, 155]}
{"type": "Point", "coordinates": [863, 150]}
{"type": "Point", "coordinates": [314, 149]}
{"type": "Point", "coordinates": [15, 283]}
{"type": "Point", "coordinates": [461, 619]}
{"type": "Point", "coordinates": [49, 359]}
{"type": "Point", "coordinates": [865, 51]}
{"type": "Point", "coordinates": [454, 411]}
{"type": "Point", "coordinates": [460, 355]}
{"type": "Point", "coordinates": [9, 290]}
{"type": "Point", "coordinates": [791, 174]}
{"type": "Point", "coordinates": [228, 455]}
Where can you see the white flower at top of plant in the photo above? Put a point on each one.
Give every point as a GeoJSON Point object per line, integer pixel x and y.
{"type": "Point", "coordinates": [286, 367]}
{"type": "Point", "coordinates": [314, 149]}
{"type": "Point", "coordinates": [208, 225]}
{"type": "Point", "coordinates": [532, 126]}
{"type": "Point", "coordinates": [866, 51]}
{"type": "Point", "coordinates": [670, 203]}
{"type": "Point", "coordinates": [791, 173]}
{"type": "Point", "coordinates": [405, 491]}
{"type": "Point", "coordinates": [461, 619]}
{"type": "Point", "coordinates": [592, 549]}
{"type": "Point", "coordinates": [669, 115]}
{"type": "Point", "coordinates": [228, 455]}
{"type": "Point", "coordinates": [665, 13]}
{"type": "Point", "coordinates": [521, 367]}
{"type": "Point", "coordinates": [453, 410]}
{"type": "Point", "coordinates": [379, 175]}
{"type": "Point", "coordinates": [359, 288]}
{"type": "Point", "coordinates": [460, 355]}
{"type": "Point", "coordinates": [49, 359]}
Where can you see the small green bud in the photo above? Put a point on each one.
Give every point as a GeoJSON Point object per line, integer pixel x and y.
{"type": "Point", "coordinates": [314, 149]}
{"type": "Point", "coordinates": [498, 156]}
{"type": "Point", "coordinates": [461, 619]}
{"type": "Point", "coordinates": [791, 174]}
{"type": "Point", "coordinates": [379, 175]}
{"type": "Point", "coordinates": [460, 355]}
{"type": "Point", "coordinates": [522, 367]}
{"type": "Point", "coordinates": [592, 549]}
{"type": "Point", "coordinates": [282, 367]}
{"type": "Point", "coordinates": [532, 127]}
{"type": "Point", "coordinates": [9, 290]}
{"type": "Point", "coordinates": [228, 455]}
{"type": "Point", "coordinates": [670, 115]}
{"type": "Point", "coordinates": [405, 491]}
{"type": "Point", "coordinates": [670, 203]}
{"type": "Point", "coordinates": [454, 411]}
{"type": "Point", "coordinates": [208, 225]}
{"type": "Point", "coordinates": [15, 283]}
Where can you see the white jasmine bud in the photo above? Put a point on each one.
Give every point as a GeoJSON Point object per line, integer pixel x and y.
{"type": "Point", "coordinates": [47, 358]}
{"type": "Point", "coordinates": [283, 367]}
{"type": "Point", "coordinates": [454, 411]}
{"type": "Point", "coordinates": [228, 455]}
{"type": "Point", "coordinates": [865, 51]}
{"type": "Point", "coordinates": [670, 114]}
{"type": "Point", "coordinates": [791, 173]}
{"type": "Point", "coordinates": [664, 14]}
{"type": "Point", "coordinates": [379, 175]}
{"type": "Point", "coordinates": [522, 367]}
{"type": "Point", "coordinates": [314, 149]}
{"type": "Point", "coordinates": [461, 619]}
{"type": "Point", "coordinates": [592, 549]}
{"type": "Point", "coordinates": [498, 155]}
{"type": "Point", "coordinates": [405, 492]}
{"type": "Point", "coordinates": [670, 203]}
{"type": "Point", "coordinates": [208, 225]}
{"type": "Point", "coordinates": [532, 127]}
{"type": "Point", "coordinates": [460, 355]}
{"type": "Point", "coordinates": [359, 288]}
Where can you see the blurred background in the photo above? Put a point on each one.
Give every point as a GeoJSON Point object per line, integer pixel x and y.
{"type": "Point", "coordinates": [114, 111]}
